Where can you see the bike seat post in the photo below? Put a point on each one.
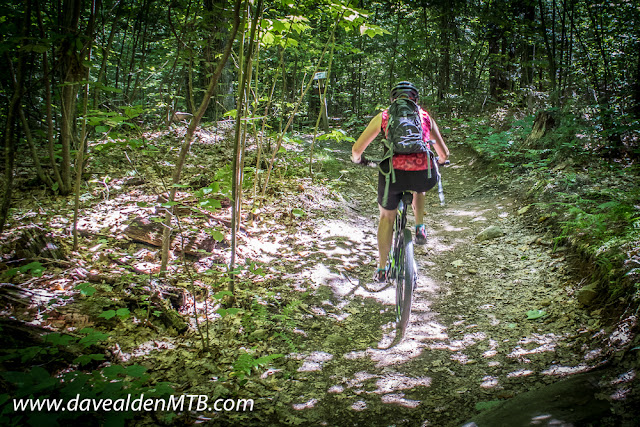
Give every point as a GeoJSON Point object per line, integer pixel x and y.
{"type": "Point", "coordinates": [407, 199]}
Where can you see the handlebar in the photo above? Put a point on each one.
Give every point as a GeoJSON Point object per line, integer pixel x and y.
{"type": "Point", "coordinates": [368, 162]}
{"type": "Point", "coordinates": [446, 162]}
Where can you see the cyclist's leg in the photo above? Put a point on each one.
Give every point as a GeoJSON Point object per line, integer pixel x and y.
{"type": "Point", "coordinates": [418, 207]}
{"type": "Point", "coordinates": [385, 235]}
{"type": "Point", "coordinates": [388, 207]}
{"type": "Point", "coordinates": [418, 212]}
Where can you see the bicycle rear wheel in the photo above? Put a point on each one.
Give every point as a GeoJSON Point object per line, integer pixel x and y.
{"type": "Point", "coordinates": [405, 278]}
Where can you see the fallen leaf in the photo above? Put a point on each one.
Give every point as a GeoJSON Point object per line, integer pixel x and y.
{"type": "Point", "coordinates": [535, 314]}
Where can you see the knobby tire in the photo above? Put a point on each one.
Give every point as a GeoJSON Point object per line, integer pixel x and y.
{"type": "Point", "coordinates": [404, 280]}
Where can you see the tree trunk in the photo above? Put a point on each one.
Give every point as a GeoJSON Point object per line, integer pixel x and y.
{"type": "Point", "coordinates": [49, 107]}
{"type": "Point", "coordinates": [636, 84]}
{"type": "Point", "coordinates": [141, 65]}
{"type": "Point", "coordinates": [544, 122]}
{"type": "Point", "coordinates": [32, 147]}
{"type": "Point", "coordinates": [527, 52]}
{"type": "Point", "coordinates": [137, 35]}
{"type": "Point", "coordinates": [195, 121]}
{"type": "Point", "coordinates": [394, 52]}
{"type": "Point", "coordinates": [550, 47]}
{"type": "Point", "coordinates": [324, 114]}
{"type": "Point", "coordinates": [244, 77]}
{"type": "Point", "coordinates": [105, 56]}
{"type": "Point", "coordinates": [304, 91]}
{"type": "Point", "coordinates": [10, 136]}
{"type": "Point", "coordinates": [72, 71]}
{"type": "Point", "coordinates": [494, 66]}
{"type": "Point", "coordinates": [444, 81]}
{"type": "Point", "coordinates": [604, 86]}
{"type": "Point", "coordinates": [83, 136]}
{"type": "Point", "coordinates": [9, 148]}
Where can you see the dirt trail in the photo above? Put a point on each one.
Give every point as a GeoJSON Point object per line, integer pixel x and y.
{"type": "Point", "coordinates": [495, 315]}
{"type": "Point", "coordinates": [491, 318]}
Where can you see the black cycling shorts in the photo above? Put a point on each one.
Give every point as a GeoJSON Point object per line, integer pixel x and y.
{"type": "Point", "coordinates": [417, 181]}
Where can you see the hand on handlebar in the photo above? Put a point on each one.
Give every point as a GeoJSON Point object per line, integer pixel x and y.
{"type": "Point", "coordinates": [364, 161]}
{"type": "Point", "coordinates": [446, 162]}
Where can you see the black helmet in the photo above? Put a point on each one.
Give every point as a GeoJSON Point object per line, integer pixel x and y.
{"type": "Point", "coordinates": [404, 88]}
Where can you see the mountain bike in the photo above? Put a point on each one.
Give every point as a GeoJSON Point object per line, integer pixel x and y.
{"type": "Point", "coordinates": [403, 271]}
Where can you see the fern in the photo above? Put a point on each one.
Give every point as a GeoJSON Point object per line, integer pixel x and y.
{"type": "Point", "coordinates": [245, 363]}
{"type": "Point", "coordinates": [604, 263]}
{"type": "Point", "coordinates": [283, 323]}
{"type": "Point", "coordinates": [286, 317]}
{"type": "Point", "coordinates": [288, 340]}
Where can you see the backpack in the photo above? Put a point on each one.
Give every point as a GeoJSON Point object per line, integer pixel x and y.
{"type": "Point", "coordinates": [404, 135]}
{"type": "Point", "coordinates": [404, 128]}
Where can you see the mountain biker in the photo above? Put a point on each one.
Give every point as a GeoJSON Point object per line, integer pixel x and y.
{"type": "Point", "coordinates": [411, 174]}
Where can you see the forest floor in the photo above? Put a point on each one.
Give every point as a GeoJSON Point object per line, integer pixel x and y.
{"type": "Point", "coordinates": [496, 318]}
{"type": "Point", "coordinates": [495, 313]}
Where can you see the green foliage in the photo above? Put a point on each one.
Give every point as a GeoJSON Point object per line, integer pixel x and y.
{"type": "Point", "coordinates": [282, 31]}
{"type": "Point", "coordinates": [111, 382]}
{"type": "Point", "coordinates": [535, 314]}
{"type": "Point", "coordinates": [86, 359]}
{"type": "Point", "coordinates": [58, 339]}
{"type": "Point", "coordinates": [353, 120]}
{"type": "Point", "coordinates": [106, 121]}
{"type": "Point", "coordinates": [599, 224]}
{"type": "Point", "coordinates": [86, 289]}
{"type": "Point", "coordinates": [53, 343]}
{"type": "Point", "coordinates": [246, 362]}
{"type": "Point", "coordinates": [280, 321]}
{"type": "Point", "coordinates": [114, 382]}
{"type": "Point", "coordinates": [119, 142]}
{"type": "Point", "coordinates": [338, 135]}
{"type": "Point", "coordinates": [92, 337]}
{"type": "Point", "coordinates": [286, 316]}
{"type": "Point", "coordinates": [599, 221]}
{"type": "Point", "coordinates": [592, 202]}
{"type": "Point", "coordinates": [500, 145]}
{"type": "Point", "coordinates": [34, 268]}
{"type": "Point", "coordinates": [297, 212]}
{"type": "Point", "coordinates": [215, 234]}
{"type": "Point", "coordinates": [483, 406]}
{"type": "Point", "coordinates": [220, 186]}
{"type": "Point", "coordinates": [121, 313]}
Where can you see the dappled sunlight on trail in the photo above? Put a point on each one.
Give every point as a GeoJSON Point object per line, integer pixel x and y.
{"type": "Point", "coordinates": [385, 296]}
{"type": "Point", "coordinates": [492, 316]}
{"type": "Point", "coordinates": [314, 361]}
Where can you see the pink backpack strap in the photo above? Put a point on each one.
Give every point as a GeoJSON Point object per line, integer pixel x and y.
{"type": "Point", "coordinates": [426, 125]}
{"type": "Point", "coordinates": [385, 121]}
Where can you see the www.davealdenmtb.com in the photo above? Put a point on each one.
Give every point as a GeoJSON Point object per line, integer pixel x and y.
{"type": "Point", "coordinates": [401, 267]}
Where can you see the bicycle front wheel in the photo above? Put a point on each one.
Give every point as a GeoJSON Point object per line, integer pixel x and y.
{"type": "Point", "coordinates": [405, 278]}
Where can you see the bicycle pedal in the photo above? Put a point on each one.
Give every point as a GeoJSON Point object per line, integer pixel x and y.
{"type": "Point", "coordinates": [381, 276]}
